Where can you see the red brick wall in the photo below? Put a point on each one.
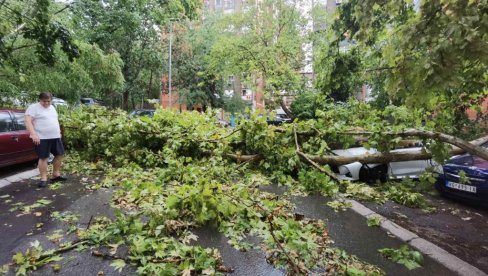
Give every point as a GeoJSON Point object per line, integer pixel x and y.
{"type": "Point", "coordinates": [472, 113]}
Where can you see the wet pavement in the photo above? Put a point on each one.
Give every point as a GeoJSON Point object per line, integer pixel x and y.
{"type": "Point", "coordinates": [347, 229]}
{"type": "Point", "coordinates": [459, 228]}
{"type": "Point", "coordinates": [350, 232]}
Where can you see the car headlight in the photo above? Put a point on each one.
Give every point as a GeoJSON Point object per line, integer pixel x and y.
{"type": "Point", "coordinates": [344, 171]}
{"type": "Point", "coordinates": [439, 169]}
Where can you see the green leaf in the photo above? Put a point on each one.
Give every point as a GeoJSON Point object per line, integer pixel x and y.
{"type": "Point", "coordinates": [352, 271]}
{"type": "Point", "coordinates": [374, 221]}
{"type": "Point", "coordinates": [172, 201]}
{"type": "Point", "coordinates": [409, 258]}
{"type": "Point", "coordinates": [21, 271]}
{"type": "Point", "coordinates": [18, 258]}
{"type": "Point", "coordinates": [118, 264]}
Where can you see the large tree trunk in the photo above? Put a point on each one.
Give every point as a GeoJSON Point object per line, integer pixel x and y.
{"type": "Point", "coordinates": [286, 109]}
{"type": "Point", "coordinates": [125, 100]}
{"type": "Point", "coordinates": [380, 157]}
{"type": "Point", "coordinates": [386, 157]}
{"type": "Point", "coordinates": [469, 147]}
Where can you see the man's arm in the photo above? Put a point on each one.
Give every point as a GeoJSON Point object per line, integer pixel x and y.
{"type": "Point", "coordinates": [32, 132]}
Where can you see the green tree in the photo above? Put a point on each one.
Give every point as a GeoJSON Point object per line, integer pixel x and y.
{"type": "Point", "coordinates": [265, 42]}
{"type": "Point", "coordinates": [132, 29]}
{"type": "Point", "coordinates": [338, 72]}
{"type": "Point", "coordinates": [34, 24]}
{"type": "Point", "coordinates": [432, 56]}
{"type": "Point", "coordinates": [30, 65]}
{"type": "Point", "coordinates": [196, 81]}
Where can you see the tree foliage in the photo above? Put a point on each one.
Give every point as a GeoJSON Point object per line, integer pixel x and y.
{"type": "Point", "coordinates": [116, 54]}
{"type": "Point", "coordinates": [431, 56]}
{"type": "Point", "coordinates": [92, 73]}
{"type": "Point", "coordinates": [173, 173]}
{"type": "Point", "coordinates": [34, 24]}
{"type": "Point", "coordinates": [264, 41]}
{"type": "Point", "coordinates": [177, 171]}
{"type": "Point", "coordinates": [338, 72]}
{"type": "Point", "coordinates": [196, 81]}
{"type": "Point", "coordinates": [132, 29]}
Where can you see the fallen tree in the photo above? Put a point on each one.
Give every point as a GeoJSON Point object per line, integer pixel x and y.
{"type": "Point", "coordinates": [180, 172]}
{"type": "Point", "coordinates": [473, 147]}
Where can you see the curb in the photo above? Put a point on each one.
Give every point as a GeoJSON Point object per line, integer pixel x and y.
{"type": "Point", "coordinates": [440, 255]}
{"type": "Point", "coordinates": [18, 177]}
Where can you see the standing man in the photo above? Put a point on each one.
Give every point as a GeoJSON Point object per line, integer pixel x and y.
{"type": "Point", "coordinates": [41, 120]}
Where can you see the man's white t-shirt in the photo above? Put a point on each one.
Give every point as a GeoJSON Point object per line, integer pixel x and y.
{"type": "Point", "coordinates": [45, 121]}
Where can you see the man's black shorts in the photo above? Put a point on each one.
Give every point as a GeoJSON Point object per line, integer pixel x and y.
{"type": "Point", "coordinates": [54, 146]}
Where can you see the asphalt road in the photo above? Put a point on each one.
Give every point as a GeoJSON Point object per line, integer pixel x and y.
{"type": "Point", "coordinates": [347, 229]}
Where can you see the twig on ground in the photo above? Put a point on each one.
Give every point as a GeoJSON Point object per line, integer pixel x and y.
{"type": "Point", "coordinates": [295, 267]}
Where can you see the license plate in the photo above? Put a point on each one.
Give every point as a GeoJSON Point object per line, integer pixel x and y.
{"type": "Point", "coordinates": [461, 187]}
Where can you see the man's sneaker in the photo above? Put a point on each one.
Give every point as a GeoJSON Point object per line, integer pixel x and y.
{"type": "Point", "coordinates": [42, 184]}
{"type": "Point", "coordinates": [59, 178]}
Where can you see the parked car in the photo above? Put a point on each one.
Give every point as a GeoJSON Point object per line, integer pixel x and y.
{"type": "Point", "coordinates": [278, 121]}
{"type": "Point", "coordinates": [58, 102]}
{"type": "Point", "coordinates": [15, 145]}
{"type": "Point", "coordinates": [464, 177]}
{"type": "Point", "coordinates": [373, 172]}
{"type": "Point", "coordinates": [91, 101]}
{"type": "Point", "coordinates": [280, 118]}
{"type": "Point", "coordinates": [142, 112]}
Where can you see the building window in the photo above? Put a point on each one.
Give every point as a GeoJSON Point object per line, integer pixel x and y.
{"type": "Point", "coordinates": [230, 81]}
{"type": "Point", "coordinates": [218, 3]}
{"type": "Point", "coordinates": [228, 4]}
{"type": "Point", "coordinates": [338, 2]}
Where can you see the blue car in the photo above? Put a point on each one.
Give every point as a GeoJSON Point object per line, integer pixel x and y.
{"type": "Point", "coordinates": [465, 177]}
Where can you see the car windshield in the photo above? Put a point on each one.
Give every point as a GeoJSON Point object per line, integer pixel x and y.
{"type": "Point", "coordinates": [86, 101]}
{"type": "Point", "coordinates": [149, 113]}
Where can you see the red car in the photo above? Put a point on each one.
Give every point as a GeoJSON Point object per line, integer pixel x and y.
{"type": "Point", "coordinates": [15, 144]}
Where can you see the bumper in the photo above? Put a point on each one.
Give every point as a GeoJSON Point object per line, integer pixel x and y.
{"type": "Point", "coordinates": [480, 197]}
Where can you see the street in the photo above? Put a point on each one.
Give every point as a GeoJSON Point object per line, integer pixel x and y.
{"type": "Point", "coordinates": [23, 223]}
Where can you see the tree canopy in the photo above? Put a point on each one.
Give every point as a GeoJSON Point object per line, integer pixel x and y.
{"type": "Point", "coordinates": [265, 42]}
{"type": "Point", "coordinates": [110, 50]}
{"type": "Point", "coordinates": [431, 55]}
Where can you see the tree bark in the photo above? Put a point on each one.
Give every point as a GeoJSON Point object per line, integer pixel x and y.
{"type": "Point", "coordinates": [469, 147]}
{"type": "Point", "coordinates": [245, 158]}
{"type": "Point", "coordinates": [367, 158]}
{"type": "Point", "coordinates": [373, 158]}
{"type": "Point", "coordinates": [386, 157]}
{"type": "Point", "coordinates": [286, 109]}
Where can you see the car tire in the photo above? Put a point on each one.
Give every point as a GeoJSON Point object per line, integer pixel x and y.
{"type": "Point", "coordinates": [373, 175]}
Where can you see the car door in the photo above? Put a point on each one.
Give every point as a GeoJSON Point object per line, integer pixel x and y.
{"type": "Point", "coordinates": [15, 144]}
{"type": "Point", "coordinates": [8, 145]}
{"type": "Point", "coordinates": [25, 145]}
{"type": "Point", "coordinates": [413, 168]}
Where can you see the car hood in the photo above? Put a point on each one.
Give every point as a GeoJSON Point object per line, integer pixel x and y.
{"type": "Point", "coordinates": [353, 151]}
{"type": "Point", "coordinates": [471, 165]}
